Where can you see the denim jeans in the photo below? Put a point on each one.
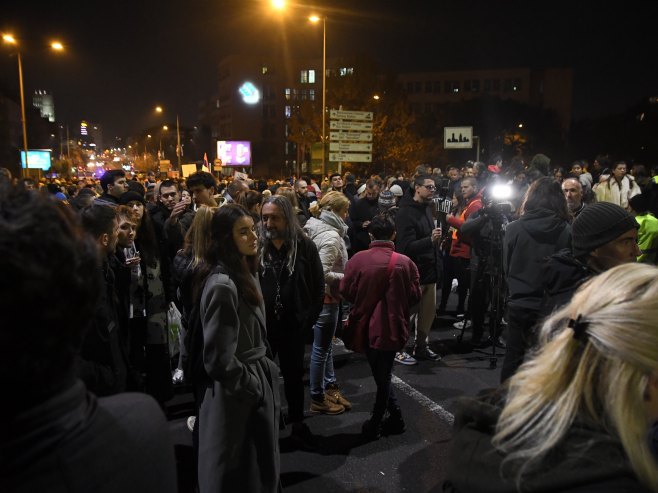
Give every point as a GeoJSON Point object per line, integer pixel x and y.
{"type": "Point", "coordinates": [322, 360]}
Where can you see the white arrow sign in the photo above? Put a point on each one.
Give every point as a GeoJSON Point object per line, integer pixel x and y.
{"type": "Point", "coordinates": [351, 115]}
{"type": "Point", "coordinates": [354, 158]}
{"type": "Point", "coordinates": [351, 136]}
{"type": "Point", "coordinates": [343, 125]}
{"type": "Point", "coordinates": [349, 147]}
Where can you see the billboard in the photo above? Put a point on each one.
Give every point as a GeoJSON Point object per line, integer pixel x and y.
{"type": "Point", "coordinates": [37, 159]}
{"type": "Point", "coordinates": [234, 152]}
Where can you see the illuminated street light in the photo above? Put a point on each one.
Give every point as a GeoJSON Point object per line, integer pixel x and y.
{"type": "Point", "coordinates": [158, 109]}
{"type": "Point", "coordinates": [278, 4]}
{"type": "Point", "coordinates": [179, 149]}
{"type": "Point", "coordinates": [316, 19]}
{"type": "Point", "coordinates": [9, 39]}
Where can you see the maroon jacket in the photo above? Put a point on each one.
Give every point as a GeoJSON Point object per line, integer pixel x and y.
{"type": "Point", "coordinates": [379, 317]}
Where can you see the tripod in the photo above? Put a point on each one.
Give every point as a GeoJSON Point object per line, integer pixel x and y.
{"type": "Point", "coordinates": [491, 263]}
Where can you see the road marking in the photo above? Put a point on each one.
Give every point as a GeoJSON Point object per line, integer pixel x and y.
{"type": "Point", "coordinates": [423, 400]}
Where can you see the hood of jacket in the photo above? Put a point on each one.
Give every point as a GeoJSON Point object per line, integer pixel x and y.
{"type": "Point", "coordinates": [542, 224]}
{"type": "Point", "coordinates": [328, 221]}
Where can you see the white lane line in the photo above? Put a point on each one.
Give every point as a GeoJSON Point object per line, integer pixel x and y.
{"type": "Point", "coordinates": [423, 400]}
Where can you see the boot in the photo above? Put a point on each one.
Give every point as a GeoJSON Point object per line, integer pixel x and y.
{"type": "Point", "coordinates": [334, 395]}
{"type": "Point", "coordinates": [372, 428]}
{"type": "Point", "coordinates": [325, 406]}
{"type": "Point", "coordinates": [393, 424]}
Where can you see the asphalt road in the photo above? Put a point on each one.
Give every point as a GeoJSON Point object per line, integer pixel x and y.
{"type": "Point", "coordinates": [414, 461]}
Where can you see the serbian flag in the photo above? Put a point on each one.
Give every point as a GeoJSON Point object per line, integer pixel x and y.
{"type": "Point", "coordinates": [206, 166]}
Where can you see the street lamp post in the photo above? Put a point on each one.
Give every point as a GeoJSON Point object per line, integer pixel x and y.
{"type": "Point", "coordinates": [315, 18]}
{"type": "Point", "coordinates": [179, 149]}
{"type": "Point", "coordinates": [55, 45]}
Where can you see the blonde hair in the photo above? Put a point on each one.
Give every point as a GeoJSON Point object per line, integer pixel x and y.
{"type": "Point", "coordinates": [601, 378]}
{"type": "Point", "coordinates": [197, 239]}
{"type": "Point", "coordinates": [331, 201]}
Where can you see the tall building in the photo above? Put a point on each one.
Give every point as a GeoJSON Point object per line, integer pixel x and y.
{"type": "Point", "coordinates": [256, 97]}
{"type": "Point", "coordinates": [548, 88]}
{"type": "Point", "coordinates": [45, 103]}
{"type": "Point", "coordinates": [91, 135]}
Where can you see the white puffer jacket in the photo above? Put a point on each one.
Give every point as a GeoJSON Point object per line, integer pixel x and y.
{"type": "Point", "coordinates": [327, 233]}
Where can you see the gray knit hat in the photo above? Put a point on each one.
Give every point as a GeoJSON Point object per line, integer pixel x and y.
{"type": "Point", "coordinates": [386, 200]}
{"type": "Point", "coordinates": [598, 224]}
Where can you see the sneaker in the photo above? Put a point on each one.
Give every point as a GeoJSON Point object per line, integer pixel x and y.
{"type": "Point", "coordinates": [302, 437]}
{"type": "Point", "coordinates": [405, 359]}
{"type": "Point", "coordinates": [191, 421]}
{"type": "Point", "coordinates": [426, 353]}
{"type": "Point", "coordinates": [460, 325]}
{"type": "Point", "coordinates": [178, 376]}
{"type": "Point", "coordinates": [325, 406]}
{"type": "Point", "coordinates": [371, 429]}
{"type": "Point", "coordinates": [334, 395]}
{"type": "Point", "coordinates": [338, 342]}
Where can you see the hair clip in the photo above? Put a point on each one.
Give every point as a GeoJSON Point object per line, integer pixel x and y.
{"type": "Point", "coordinates": [579, 327]}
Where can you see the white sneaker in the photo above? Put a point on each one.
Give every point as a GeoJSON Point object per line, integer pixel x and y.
{"type": "Point", "coordinates": [460, 325]}
{"type": "Point", "coordinates": [178, 376]}
{"type": "Point", "coordinates": [455, 284]}
{"type": "Point", "coordinates": [190, 423]}
{"type": "Point", "coordinates": [405, 359]}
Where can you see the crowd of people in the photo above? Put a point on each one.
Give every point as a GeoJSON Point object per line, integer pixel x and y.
{"type": "Point", "coordinates": [252, 271]}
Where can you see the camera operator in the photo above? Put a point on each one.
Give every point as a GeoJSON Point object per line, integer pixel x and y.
{"type": "Point", "coordinates": [458, 260]}
{"type": "Point", "coordinates": [484, 230]}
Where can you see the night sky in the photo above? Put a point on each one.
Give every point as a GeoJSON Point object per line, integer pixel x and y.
{"type": "Point", "coordinates": [123, 58]}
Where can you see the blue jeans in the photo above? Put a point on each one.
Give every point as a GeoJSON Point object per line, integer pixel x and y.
{"type": "Point", "coordinates": [322, 360]}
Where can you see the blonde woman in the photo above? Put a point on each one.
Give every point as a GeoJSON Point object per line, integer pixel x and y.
{"type": "Point", "coordinates": [327, 229]}
{"type": "Point", "coordinates": [578, 414]}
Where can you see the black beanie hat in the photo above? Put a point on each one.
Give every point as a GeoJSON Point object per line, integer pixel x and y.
{"type": "Point", "coordinates": [131, 196]}
{"type": "Point", "coordinates": [598, 224]}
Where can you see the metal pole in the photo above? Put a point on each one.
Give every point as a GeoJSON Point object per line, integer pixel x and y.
{"type": "Point", "coordinates": [178, 147]}
{"type": "Point", "coordinates": [324, 93]}
{"type": "Point", "coordinates": [20, 81]}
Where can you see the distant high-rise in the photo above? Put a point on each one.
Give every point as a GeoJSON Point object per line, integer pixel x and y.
{"type": "Point", "coordinates": [45, 103]}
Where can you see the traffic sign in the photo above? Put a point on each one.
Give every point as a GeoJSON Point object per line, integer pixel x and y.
{"type": "Point", "coordinates": [351, 115]}
{"type": "Point", "coordinates": [351, 136]}
{"type": "Point", "coordinates": [457, 137]}
{"type": "Point", "coordinates": [350, 157]}
{"type": "Point", "coordinates": [350, 147]}
{"type": "Point", "coordinates": [349, 125]}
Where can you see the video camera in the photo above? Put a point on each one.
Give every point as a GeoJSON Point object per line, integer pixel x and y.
{"type": "Point", "coordinates": [497, 201]}
{"type": "Point", "coordinates": [443, 196]}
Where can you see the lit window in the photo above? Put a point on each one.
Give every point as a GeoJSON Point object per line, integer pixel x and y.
{"type": "Point", "coordinates": [288, 111]}
{"type": "Point", "coordinates": [288, 94]}
{"type": "Point", "coordinates": [311, 76]}
{"type": "Point", "coordinates": [311, 94]}
{"type": "Point", "coordinates": [263, 69]}
{"type": "Point", "coordinates": [304, 77]}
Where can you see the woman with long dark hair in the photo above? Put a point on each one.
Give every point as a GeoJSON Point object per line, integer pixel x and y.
{"type": "Point", "coordinates": [239, 411]}
{"type": "Point", "coordinates": [542, 229]}
{"type": "Point", "coordinates": [144, 296]}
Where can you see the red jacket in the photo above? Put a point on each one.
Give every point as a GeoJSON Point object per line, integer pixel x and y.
{"type": "Point", "coordinates": [379, 317]}
{"type": "Point", "coordinates": [459, 247]}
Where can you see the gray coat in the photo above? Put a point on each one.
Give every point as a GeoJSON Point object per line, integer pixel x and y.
{"type": "Point", "coordinates": [239, 415]}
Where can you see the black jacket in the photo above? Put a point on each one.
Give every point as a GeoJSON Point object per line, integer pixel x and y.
{"type": "Point", "coordinates": [527, 243]}
{"type": "Point", "coordinates": [414, 224]}
{"type": "Point", "coordinates": [588, 460]}
{"type": "Point", "coordinates": [363, 210]}
{"type": "Point", "coordinates": [562, 275]}
{"type": "Point", "coordinates": [308, 281]}
{"type": "Point", "coordinates": [102, 363]}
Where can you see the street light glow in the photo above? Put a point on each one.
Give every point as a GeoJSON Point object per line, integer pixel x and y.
{"type": "Point", "coordinates": [158, 109]}
{"type": "Point", "coordinates": [8, 38]}
{"type": "Point", "coordinates": [56, 45]}
{"type": "Point", "coordinates": [279, 4]}
{"type": "Point", "coordinates": [165, 127]}
{"type": "Point", "coordinates": [314, 18]}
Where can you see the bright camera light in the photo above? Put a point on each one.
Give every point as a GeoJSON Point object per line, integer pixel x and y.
{"type": "Point", "coordinates": [501, 192]}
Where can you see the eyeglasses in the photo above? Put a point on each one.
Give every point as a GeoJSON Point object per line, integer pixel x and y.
{"type": "Point", "coordinates": [429, 187]}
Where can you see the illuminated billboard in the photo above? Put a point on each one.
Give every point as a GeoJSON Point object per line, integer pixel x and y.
{"type": "Point", "coordinates": [37, 159]}
{"type": "Point", "coordinates": [234, 152]}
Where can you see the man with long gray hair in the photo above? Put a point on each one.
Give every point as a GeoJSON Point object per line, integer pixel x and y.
{"type": "Point", "coordinates": [292, 281]}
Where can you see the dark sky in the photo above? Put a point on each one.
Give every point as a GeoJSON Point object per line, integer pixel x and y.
{"type": "Point", "coordinates": [123, 58]}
